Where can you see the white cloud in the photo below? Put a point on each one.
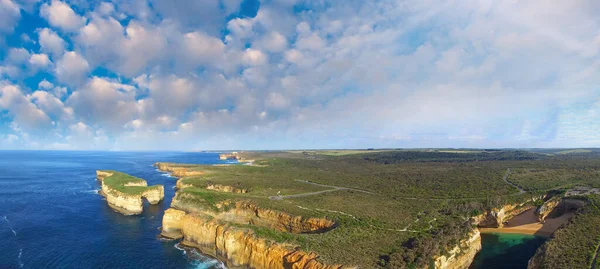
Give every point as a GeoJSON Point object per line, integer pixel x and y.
{"type": "Point", "coordinates": [40, 61]}
{"type": "Point", "coordinates": [51, 105]}
{"type": "Point", "coordinates": [61, 15]}
{"type": "Point", "coordinates": [50, 42]}
{"type": "Point", "coordinates": [201, 49]}
{"type": "Point", "coordinates": [105, 102]}
{"type": "Point", "coordinates": [10, 14]}
{"type": "Point", "coordinates": [46, 85]}
{"type": "Point", "coordinates": [254, 57]}
{"type": "Point", "coordinates": [240, 28]}
{"type": "Point", "coordinates": [25, 113]}
{"type": "Point", "coordinates": [273, 42]}
{"type": "Point", "coordinates": [72, 68]}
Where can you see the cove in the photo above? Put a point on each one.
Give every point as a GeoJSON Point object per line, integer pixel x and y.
{"type": "Point", "coordinates": [506, 250]}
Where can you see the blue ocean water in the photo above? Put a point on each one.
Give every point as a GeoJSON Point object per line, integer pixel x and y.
{"type": "Point", "coordinates": [506, 251]}
{"type": "Point", "coordinates": [52, 217]}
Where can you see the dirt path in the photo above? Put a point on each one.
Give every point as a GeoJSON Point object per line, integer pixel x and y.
{"type": "Point", "coordinates": [334, 188]}
{"type": "Point", "coordinates": [337, 188]}
{"type": "Point", "coordinates": [595, 257]}
{"type": "Point", "coordinates": [521, 191]}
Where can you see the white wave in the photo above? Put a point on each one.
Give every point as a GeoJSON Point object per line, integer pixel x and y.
{"type": "Point", "coordinates": [92, 191]}
{"type": "Point", "coordinates": [10, 225]}
{"type": "Point", "coordinates": [166, 175]}
{"type": "Point", "coordinates": [177, 246]}
{"type": "Point", "coordinates": [204, 264]}
{"type": "Point", "coordinates": [21, 264]}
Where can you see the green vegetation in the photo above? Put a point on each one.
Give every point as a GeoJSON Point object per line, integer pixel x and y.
{"type": "Point", "coordinates": [397, 208]}
{"type": "Point", "coordinates": [127, 184]}
{"type": "Point", "coordinates": [575, 245]}
{"type": "Point", "coordinates": [535, 179]}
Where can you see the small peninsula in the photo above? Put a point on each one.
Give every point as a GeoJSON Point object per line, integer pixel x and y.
{"type": "Point", "coordinates": [124, 192]}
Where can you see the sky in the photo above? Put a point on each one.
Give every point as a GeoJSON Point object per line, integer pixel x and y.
{"type": "Point", "coordinates": [291, 74]}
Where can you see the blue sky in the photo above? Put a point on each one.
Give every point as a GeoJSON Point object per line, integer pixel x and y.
{"type": "Point", "coordinates": [284, 74]}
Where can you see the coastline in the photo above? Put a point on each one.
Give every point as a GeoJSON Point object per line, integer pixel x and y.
{"type": "Point", "coordinates": [527, 223]}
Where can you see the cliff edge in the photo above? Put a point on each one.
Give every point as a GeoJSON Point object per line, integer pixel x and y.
{"type": "Point", "coordinates": [124, 192]}
{"type": "Point", "coordinates": [237, 247]}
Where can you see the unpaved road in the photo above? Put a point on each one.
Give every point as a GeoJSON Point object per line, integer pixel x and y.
{"type": "Point", "coordinates": [334, 188]}
{"type": "Point", "coordinates": [521, 191]}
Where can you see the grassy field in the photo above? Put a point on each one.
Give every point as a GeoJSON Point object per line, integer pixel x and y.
{"type": "Point", "coordinates": [118, 181]}
{"type": "Point", "coordinates": [397, 208]}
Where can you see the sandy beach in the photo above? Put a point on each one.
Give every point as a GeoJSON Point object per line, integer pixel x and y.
{"type": "Point", "coordinates": [527, 223]}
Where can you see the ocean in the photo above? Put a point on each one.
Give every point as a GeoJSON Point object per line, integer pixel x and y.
{"type": "Point", "coordinates": [505, 250]}
{"type": "Point", "coordinates": [52, 217]}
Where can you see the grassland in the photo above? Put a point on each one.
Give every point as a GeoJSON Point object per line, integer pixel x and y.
{"type": "Point", "coordinates": [123, 183]}
{"type": "Point", "coordinates": [402, 207]}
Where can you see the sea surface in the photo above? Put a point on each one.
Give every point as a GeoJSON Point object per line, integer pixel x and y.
{"type": "Point", "coordinates": [504, 250]}
{"type": "Point", "coordinates": [51, 215]}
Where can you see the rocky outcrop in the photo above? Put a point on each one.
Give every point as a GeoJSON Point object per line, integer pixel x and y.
{"type": "Point", "coordinates": [237, 247]}
{"type": "Point", "coordinates": [100, 175]}
{"type": "Point", "coordinates": [177, 171]}
{"type": "Point", "coordinates": [462, 255]}
{"type": "Point", "coordinates": [544, 210]}
{"type": "Point", "coordinates": [225, 188]}
{"type": "Point", "coordinates": [229, 156]}
{"type": "Point", "coordinates": [537, 261]}
{"type": "Point", "coordinates": [234, 156]}
{"type": "Point", "coordinates": [496, 217]}
{"type": "Point", "coordinates": [181, 185]}
{"type": "Point", "coordinates": [242, 212]}
{"type": "Point", "coordinates": [128, 202]}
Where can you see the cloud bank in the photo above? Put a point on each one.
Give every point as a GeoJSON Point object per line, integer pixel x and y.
{"type": "Point", "coordinates": [240, 74]}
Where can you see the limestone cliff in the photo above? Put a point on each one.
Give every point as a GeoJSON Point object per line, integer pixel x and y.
{"type": "Point", "coordinates": [124, 193]}
{"type": "Point", "coordinates": [544, 210]}
{"type": "Point", "coordinates": [177, 171]}
{"type": "Point", "coordinates": [237, 247]}
{"type": "Point", "coordinates": [224, 188]}
{"type": "Point", "coordinates": [537, 261]}
{"type": "Point", "coordinates": [242, 212]}
{"type": "Point", "coordinates": [462, 255]}
{"type": "Point", "coordinates": [100, 175]}
{"type": "Point", "coordinates": [496, 217]}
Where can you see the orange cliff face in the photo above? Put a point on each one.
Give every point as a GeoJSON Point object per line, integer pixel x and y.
{"type": "Point", "coordinates": [129, 203]}
{"type": "Point", "coordinates": [237, 247]}
{"type": "Point", "coordinates": [177, 171]}
{"type": "Point", "coordinates": [496, 217]}
{"type": "Point", "coordinates": [243, 212]}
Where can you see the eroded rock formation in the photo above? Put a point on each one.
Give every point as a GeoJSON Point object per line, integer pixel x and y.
{"type": "Point", "coordinates": [496, 217]}
{"type": "Point", "coordinates": [177, 171]}
{"type": "Point", "coordinates": [544, 210]}
{"type": "Point", "coordinates": [462, 255]}
{"type": "Point", "coordinates": [238, 247]}
{"type": "Point", "coordinates": [128, 203]}
{"type": "Point", "coordinates": [225, 188]}
{"type": "Point", "coordinates": [242, 212]}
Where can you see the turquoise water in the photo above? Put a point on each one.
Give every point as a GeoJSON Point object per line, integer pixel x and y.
{"type": "Point", "coordinates": [500, 250]}
{"type": "Point", "coordinates": [51, 215]}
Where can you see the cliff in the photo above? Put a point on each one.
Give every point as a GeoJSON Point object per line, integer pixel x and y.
{"type": "Point", "coordinates": [537, 261]}
{"type": "Point", "coordinates": [177, 171]}
{"type": "Point", "coordinates": [544, 210]}
{"type": "Point", "coordinates": [124, 193]}
{"type": "Point", "coordinates": [462, 255]}
{"type": "Point", "coordinates": [238, 247]}
{"type": "Point", "coordinates": [243, 213]}
{"type": "Point", "coordinates": [224, 188]}
{"type": "Point", "coordinates": [496, 217]}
